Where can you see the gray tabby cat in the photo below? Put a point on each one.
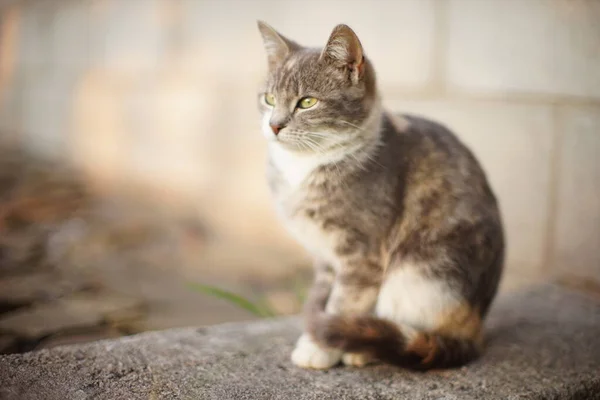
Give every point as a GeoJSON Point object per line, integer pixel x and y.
{"type": "Point", "coordinates": [397, 212]}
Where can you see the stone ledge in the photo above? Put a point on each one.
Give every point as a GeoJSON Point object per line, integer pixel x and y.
{"type": "Point", "coordinates": [543, 343]}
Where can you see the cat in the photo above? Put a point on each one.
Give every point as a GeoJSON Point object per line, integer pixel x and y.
{"type": "Point", "coordinates": [404, 228]}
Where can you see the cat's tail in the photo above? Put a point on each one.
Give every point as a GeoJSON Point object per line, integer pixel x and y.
{"type": "Point", "coordinates": [391, 343]}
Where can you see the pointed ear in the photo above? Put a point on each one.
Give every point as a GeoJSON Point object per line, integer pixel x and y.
{"type": "Point", "coordinates": [344, 49]}
{"type": "Point", "coordinates": [277, 46]}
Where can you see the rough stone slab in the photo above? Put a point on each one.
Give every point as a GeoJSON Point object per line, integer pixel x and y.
{"type": "Point", "coordinates": [75, 312]}
{"type": "Point", "coordinates": [7, 342]}
{"type": "Point", "coordinates": [39, 286]}
{"type": "Point", "coordinates": [45, 319]}
{"type": "Point", "coordinates": [542, 344]}
{"type": "Point", "coordinates": [91, 334]}
{"type": "Point", "coordinates": [113, 308]}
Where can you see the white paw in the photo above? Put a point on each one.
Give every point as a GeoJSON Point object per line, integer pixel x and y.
{"type": "Point", "coordinates": [356, 359]}
{"type": "Point", "coordinates": [308, 354]}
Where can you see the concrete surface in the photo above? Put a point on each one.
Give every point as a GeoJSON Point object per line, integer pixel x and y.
{"type": "Point", "coordinates": [543, 343]}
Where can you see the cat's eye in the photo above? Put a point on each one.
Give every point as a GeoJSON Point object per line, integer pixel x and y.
{"type": "Point", "coordinates": [307, 102]}
{"type": "Point", "coordinates": [270, 99]}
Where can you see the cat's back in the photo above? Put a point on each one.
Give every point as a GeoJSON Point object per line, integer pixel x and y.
{"type": "Point", "coordinates": [435, 156]}
{"type": "Point", "coordinates": [447, 203]}
{"type": "Point", "coordinates": [431, 139]}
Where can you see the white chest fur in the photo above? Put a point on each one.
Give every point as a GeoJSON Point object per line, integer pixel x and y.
{"type": "Point", "coordinates": [318, 242]}
{"type": "Point", "coordinates": [296, 170]}
{"type": "Point", "coordinates": [294, 167]}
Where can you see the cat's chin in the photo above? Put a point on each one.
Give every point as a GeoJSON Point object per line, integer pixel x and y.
{"type": "Point", "coordinates": [290, 146]}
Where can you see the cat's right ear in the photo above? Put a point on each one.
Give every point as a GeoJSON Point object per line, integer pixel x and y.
{"type": "Point", "coordinates": [344, 50]}
{"type": "Point", "coordinates": [277, 46]}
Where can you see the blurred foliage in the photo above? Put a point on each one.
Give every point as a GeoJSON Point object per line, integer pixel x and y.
{"type": "Point", "coordinates": [261, 307]}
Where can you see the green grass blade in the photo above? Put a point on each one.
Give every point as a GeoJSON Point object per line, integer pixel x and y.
{"type": "Point", "coordinates": [300, 290]}
{"type": "Point", "coordinates": [265, 306]}
{"type": "Point", "coordinates": [233, 298]}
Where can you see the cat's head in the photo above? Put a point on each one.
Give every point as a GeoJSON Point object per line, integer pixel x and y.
{"type": "Point", "coordinates": [316, 99]}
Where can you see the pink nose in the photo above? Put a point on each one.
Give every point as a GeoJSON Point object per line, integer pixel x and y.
{"type": "Point", "coordinates": [276, 128]}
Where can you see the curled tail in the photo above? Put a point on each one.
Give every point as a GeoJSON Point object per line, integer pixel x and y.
{"type": "Point", "coordinates": [391, 343]}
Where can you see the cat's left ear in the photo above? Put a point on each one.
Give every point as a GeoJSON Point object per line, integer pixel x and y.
{"type": "Point", "coordinates": [278, 47]}
{"type": "Point", "coordinates": [345, 50]}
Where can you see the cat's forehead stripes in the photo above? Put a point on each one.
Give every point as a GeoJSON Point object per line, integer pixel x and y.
{"type": "Point", "coordinates": [286, 81]}
{"type": "Point", "coordinates": [294, 72]}
{"type": "Point", "coordinates": [290, 64]}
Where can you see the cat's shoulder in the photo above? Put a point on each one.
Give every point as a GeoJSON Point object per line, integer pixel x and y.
{"type": "Point", "coordinates": [407, 123]}
{"type": "Point", "coordinates": [422, 131]}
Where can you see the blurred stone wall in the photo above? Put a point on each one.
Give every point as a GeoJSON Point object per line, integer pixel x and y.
{"type": "Point", "coordinates": [160, 95]}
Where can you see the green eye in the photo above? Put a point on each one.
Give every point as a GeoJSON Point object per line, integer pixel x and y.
{"type": "Point", "coordinates": [307, 102]}
{"type": "Point", "coordinates": [270, 99]}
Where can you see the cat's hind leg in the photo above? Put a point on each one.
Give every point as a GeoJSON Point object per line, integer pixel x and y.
{"type": "Point", "coordinates": [439, 326]}
{"type": "Point", "coordinates": [422, 322]}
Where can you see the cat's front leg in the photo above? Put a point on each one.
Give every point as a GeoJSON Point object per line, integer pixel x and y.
{"type": "Point", "coordinates": [355, 289]}
{"type": "Point", "coordinates": [307, 353]}
{"type": "Point", "coordinates": [355, 292]}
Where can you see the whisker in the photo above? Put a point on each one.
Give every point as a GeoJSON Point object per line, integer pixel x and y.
{"type": "Point", "coordinates": [358, 162]}
{"type": "Point", "coordinates": [351, 124]}
{"type": "Point", "coordinates": [326, 144]}
{"type": "Point", "coordinates": [339, 174]}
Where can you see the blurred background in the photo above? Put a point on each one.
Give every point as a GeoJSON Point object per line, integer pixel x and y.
{"type": "Point", "coordinates": [131, 162]}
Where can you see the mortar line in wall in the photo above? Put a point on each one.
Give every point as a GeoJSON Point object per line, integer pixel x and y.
{"type": "Point", "coordinates": [553, 189]}
{"type": "Point", "coordinates": [426, 94]}
{"type": "Point", "coordinates": [440, 46]}
{"type": "Point", "coordinates": [173, 27]}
